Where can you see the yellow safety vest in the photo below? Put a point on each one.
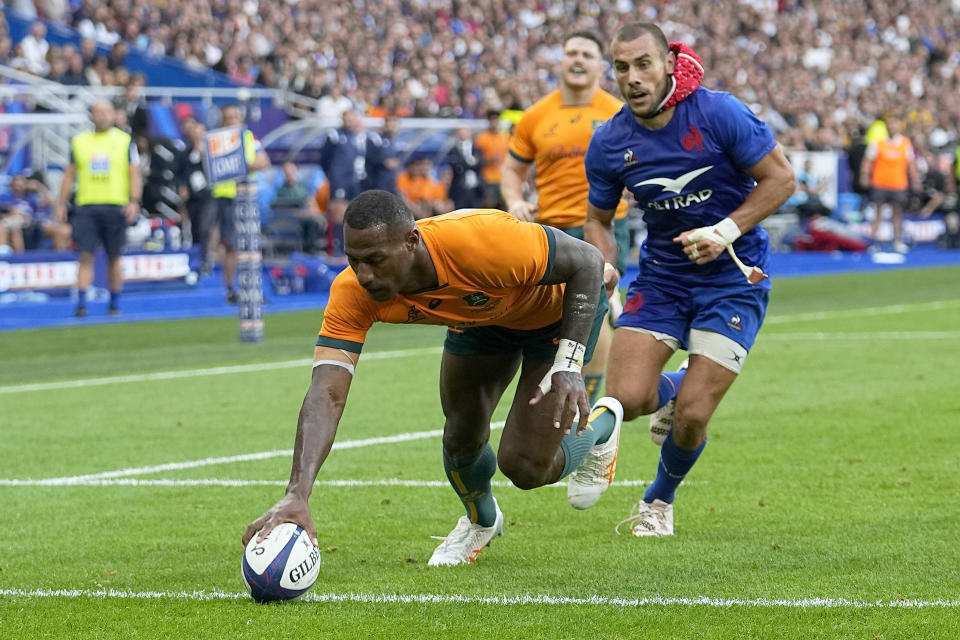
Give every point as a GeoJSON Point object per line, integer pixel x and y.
{"type": "Point", "coordinates": [102, 162]}
{"type": "Point", "coordinates": [228, 189]}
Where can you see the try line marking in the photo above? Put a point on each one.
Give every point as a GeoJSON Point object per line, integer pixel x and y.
{"type": "Point", "coordinates": [381, 355]}
{"type": "Point", "coordinates": [507, 601]}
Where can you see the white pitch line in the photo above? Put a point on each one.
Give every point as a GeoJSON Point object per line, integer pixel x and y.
{"type": "Point", "coordinates": [856, 312]}
{"type": "Point", "coordinates": [525, 599]}
{"type": "Point", "coordinates": [246, 457]}
{"type": "Point", "coordinates": [862, 312]}
{"type": "Point", "coordinates": [227, 482]}
{"type": "Point", "coordinates": [864, 335]}
{"type": "Point", "coordinates": [208, 371]}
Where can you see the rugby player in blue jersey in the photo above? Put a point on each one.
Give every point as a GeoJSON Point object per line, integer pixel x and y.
{"type": "Point", "coordinates": [704, 171]}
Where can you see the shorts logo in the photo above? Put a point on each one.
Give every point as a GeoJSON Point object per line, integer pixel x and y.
{"type": "Point", "coordinates": [634, 302]}
{"type": "Point", "coordinates": [629, 159]}
{"type": "Point", "coordinates": [476, 299]}
{"type": "Point", "coordinates": [734, 323]}
{"type": "Point", "coordinates": [434, 303]}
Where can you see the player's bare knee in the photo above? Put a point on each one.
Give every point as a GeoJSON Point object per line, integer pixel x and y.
{"type": "Point", "coordinates": [462, 450]}
{"type": "Point", "coordinates": [690, 425]}
{"type": "Point", "coordinates": [523, 472]}
{"type": "Point", "coordinates": [635, 402]}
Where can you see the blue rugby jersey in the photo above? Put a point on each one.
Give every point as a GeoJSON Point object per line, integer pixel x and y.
{"type": "Point", "coordinates": [690, 173]}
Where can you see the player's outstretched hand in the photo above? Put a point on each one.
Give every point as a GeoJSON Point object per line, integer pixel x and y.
{"type": "Point", "coordinates": [571, 396]}
{"type": "Point", "coordinates": [702, 245]}
{"type": "Point", "coordinates": [290, 508]}
{"type": "Point", "coordinates": [523, 210]}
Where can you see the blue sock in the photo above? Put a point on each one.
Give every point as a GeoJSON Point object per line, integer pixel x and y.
{"type": "Point", "coordinates": [114, 298]}
{"type": "Point", "coordinates": [472, 484]}
{"type": "Point", "coordinates": [576, 447]}
{"type": "Point", "coordinates": [669, 385]}
{"type": "Point", "coordinates": [675, 463]}
{"type": "Point", "coordinates": [81, 297]}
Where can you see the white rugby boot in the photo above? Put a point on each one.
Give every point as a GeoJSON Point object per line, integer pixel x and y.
{"type": "Point", "coordinates": [466, 541]}
{"type": "Point", "coordinates": [593, 476]}
{"type": "Point", "coordinates": [650, 519]}
{"type": "Point", "coordinates": [661, 420]}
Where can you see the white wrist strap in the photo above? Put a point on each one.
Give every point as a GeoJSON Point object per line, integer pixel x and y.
{"type": "Point", "coordinates": [728, 230]}
{"type": "Point", "coordinates": [569, 358]}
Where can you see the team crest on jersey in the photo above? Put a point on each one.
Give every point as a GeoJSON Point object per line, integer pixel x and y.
{"type": "Point", "coordinates": [629, 159]}
{"type": "Point", "coordinates": [434, 303]}
{"type": "Point", "coordinates": [734, 323]}
{"type": "Point", "coordinates": [693, 141]}
{"type": "Point", "coordinates": [414, 314]}
{"type": "Point", "coordinates": [476, 299]}
{"type": "Point", "coordinates": [552, 131]}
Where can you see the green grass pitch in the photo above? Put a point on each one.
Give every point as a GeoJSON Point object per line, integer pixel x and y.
{"type": "Point", "coordinates": [826, 504]}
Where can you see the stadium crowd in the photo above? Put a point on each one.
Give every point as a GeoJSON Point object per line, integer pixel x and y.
{"type": "Point", "coordinates": [819, 73]}
{"type": "Point", "coordinates": [813, 70]}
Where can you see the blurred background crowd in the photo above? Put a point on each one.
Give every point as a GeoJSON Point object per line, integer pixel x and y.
{"type": "Point", "coordinates": [820, 73]}
{"type": "Point", "coordinates": [815, 71]}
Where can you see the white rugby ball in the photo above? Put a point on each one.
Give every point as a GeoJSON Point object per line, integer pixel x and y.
{"type": "Point", "coordinates": [281, 567]}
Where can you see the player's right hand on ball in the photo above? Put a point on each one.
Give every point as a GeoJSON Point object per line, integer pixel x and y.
{"type": "Point", "coordinates": [290, 508]}
{"type": "Point", "coordinates": [522, 210]}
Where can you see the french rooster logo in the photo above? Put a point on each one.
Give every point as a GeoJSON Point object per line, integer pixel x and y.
{"type": "Point", "coordinates": [693, 141]}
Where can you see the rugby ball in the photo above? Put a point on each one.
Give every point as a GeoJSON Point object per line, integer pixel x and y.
{"type": "Point", "coordinates": [281, 567]}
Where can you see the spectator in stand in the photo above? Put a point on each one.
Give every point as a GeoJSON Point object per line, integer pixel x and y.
{"type": "Point", "coordinates": [343, 159]}
{"type": "Point", "coordinates": [334, 104]}
{"type": "Point", "coordinates": [383, 157]}
{"type": "Point", "coordinates": [807, 198]}
{"type": "Point", "coordinates": [116, 59]}
{"type": "Point", "coordinates": [74, 74]}
{"type": "Point", "coordinates": [466, 188]}
{"type": "Point", "coordinates": [294, 197]}
{"type": "Point", "coordinates": [35, 48]}
{"type": "Point", "coordinates": [14, 218]}
{"type": "Point", "coordinates": [98, 74]}
{"type": "Point", "coordinates": [890, 169]}
{"type": "Point", "coordinates": [493, 143]}
{"type": "Point", "coordinates": [424, 195]}
{"type": "Point", "coordinates": [29, 199]}
{"type": "Point", "coordinates": [134, 105]}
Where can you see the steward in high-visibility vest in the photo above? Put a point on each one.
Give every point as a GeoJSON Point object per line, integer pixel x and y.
{"type": "Point", "coordinates": [105, 164]}
{"type": "Point", "coordinates": [889, 168]}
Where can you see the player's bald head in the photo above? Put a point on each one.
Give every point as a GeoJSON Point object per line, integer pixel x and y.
{"type": "Point", "coordinates": [375, 207]}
